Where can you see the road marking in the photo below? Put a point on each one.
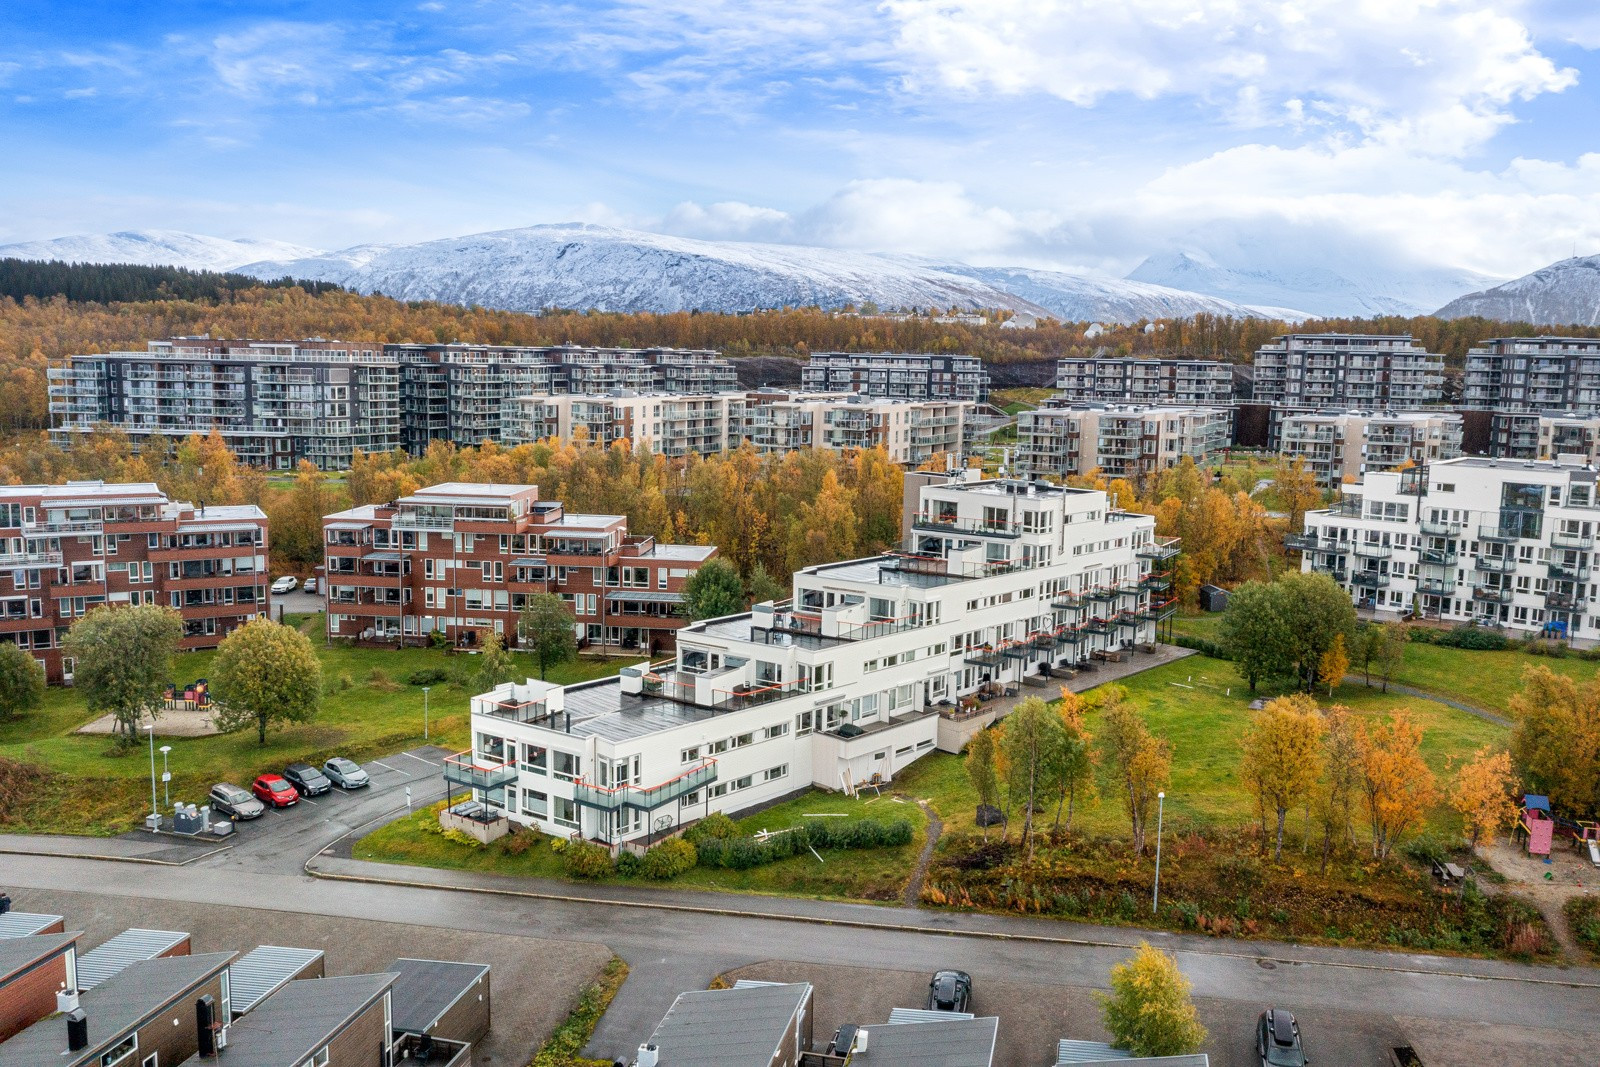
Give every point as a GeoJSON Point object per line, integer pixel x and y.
{"type": "Point", "coordinates": [386, 767]}
{"type": "Point", "coordinates": [419, 759]}
{"type": "Point", "coordinates": [308, 800]}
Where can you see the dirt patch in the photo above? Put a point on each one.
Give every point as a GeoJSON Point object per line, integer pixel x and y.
{"type": "Point", "coordinates": [168, 724]}
{"type": "Point", "coordinates": [913, 894]}
{"type": "Point", "coordinates": [1547, 885]}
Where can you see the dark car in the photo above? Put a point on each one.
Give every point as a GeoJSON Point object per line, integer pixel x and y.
{"type": "Point", "coordinates": [234, 802]}
{"type": "Point", "coordinates": [1278, 1040]}
{"type": "Point", "coordinates": [307, 779]}
{"type": "Point", "coordinates": [275, 791]}
{"type": "Point", "coordinates": [950, 991]}
{"type": "Point", "coordinates": [345, 774]}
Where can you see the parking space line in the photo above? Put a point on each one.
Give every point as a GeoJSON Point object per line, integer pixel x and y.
{"type": "Point", "coordinates": [419, 759]}
{"type": "Point", "coordinates": [308, 800]}
{"type": "Point", "coordinates": [386, 767]}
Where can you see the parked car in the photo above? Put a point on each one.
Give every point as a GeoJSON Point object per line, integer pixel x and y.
{"type": "Point", "coordinates": [310, 586]}
{"type": "Point", "coordinates": [307, 780]}
{"type": "Point", "coordinates": [275, 790]}
{"type": "Point", "coordinates": [1278, 1040]}
{"type": "Point", "coordinates": [950, 991]}
{"type": "Point", "coordinates": [228, 799]}
{"type": "Point", "coordinates": [283, 585]}
{"type": "Point", "coordinates": [345, 773]}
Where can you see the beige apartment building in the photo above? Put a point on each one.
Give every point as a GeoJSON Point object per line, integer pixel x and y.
{"type": "Point", "coordinates": [1529, 435]}
{"type": "Point", "coordinates": [1122, 441]}
{"type": "Point", "coordinates": [1341, 446]}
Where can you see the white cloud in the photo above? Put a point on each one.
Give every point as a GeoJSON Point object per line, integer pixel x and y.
{"type": "Point", "coordinates": [728, 220]}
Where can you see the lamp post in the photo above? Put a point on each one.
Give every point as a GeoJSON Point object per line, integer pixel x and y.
{"type": "Point", "coordinates": [155, 813]}
{"type": "Point", "coordinates": [166, 777]}
{"type": "Point", "coordinates": [425, 711]}
{"type": "Point", "coordinates": [1161, 808]}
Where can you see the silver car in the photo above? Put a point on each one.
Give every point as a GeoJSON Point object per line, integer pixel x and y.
{"type": "Point", "coordinates": [345, 774]}
{"type": "Point", "coordinates": [234, 802]}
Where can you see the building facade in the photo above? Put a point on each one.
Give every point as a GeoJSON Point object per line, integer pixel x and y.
{"type": "Point", "coordinates": [70, 548]}
{"type": "Point", "coordinates": [278, 402]}
{"type": "Point", "coordinates": [1338, 370]}
{"type": "Point", "coordinates": [461, 558]}
{"type": "Point", "coordinates": [1534, 374]}
{"type": "Point", "coordinates": [1201, 382]}
{"type": "Point", "coordinates": [696, 424]}
{"type": "Point", "coordinates": [1499, 542]}
{"type": "Point", "coordinates": [1529, 435]}
{"type": "Point", "coordinates": [859, 673]}
{"type": "Point", "coordinates": [1123, 441]}
{"type": "Point", "coordinates": [1339, 446]}
{"type": "Point", "coordinates": [917, 375]}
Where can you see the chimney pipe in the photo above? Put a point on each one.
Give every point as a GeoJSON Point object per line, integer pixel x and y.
{"type": "Point", "coordinates": [77, 1030]}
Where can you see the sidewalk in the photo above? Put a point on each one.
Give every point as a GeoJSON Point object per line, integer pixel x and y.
{"type": "Point", "coordinates": [137, 846]}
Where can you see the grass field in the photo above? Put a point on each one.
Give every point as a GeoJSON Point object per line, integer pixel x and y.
{"type": "Point", "coordinates": [95, 790]}
{"type": "Point", "coordinates": [1021, 398]}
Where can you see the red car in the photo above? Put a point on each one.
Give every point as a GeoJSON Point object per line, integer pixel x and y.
{"type": "Point", "coordinates": [274, 790]}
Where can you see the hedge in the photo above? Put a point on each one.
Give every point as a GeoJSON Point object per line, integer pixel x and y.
{"type": "Point", "coordinates": [1206, 647]}
{"type": "Point", "coordinates": [742, 853]}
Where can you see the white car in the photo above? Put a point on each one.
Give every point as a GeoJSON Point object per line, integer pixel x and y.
{"type": "Point", "coordinates": [310, 586]}
{"type": "Point", "coordinates": [283, 585]}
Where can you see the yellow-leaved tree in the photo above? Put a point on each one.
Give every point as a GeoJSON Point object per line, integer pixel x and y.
{"type": "Point", "coordinates": [1281, 757]}
{"type": "Point", "coordinates": [1396, 784]}
{"type": "Point", "coordinates": [1482, 793]}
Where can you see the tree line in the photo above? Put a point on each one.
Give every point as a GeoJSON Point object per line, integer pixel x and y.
{"type": "Point", "coordinates": [113, 283]}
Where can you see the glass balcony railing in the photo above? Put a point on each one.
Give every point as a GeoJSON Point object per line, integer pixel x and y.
{"type": "Point", "coordinates": [478, 772]}
{"type": "Point", "coordinates": [644, 798]}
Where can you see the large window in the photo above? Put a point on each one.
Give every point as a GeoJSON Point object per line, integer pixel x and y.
{"type": "Point", "coordinates": [567, 766]}
{"type": "Point", "coordinates": [122, 1052]}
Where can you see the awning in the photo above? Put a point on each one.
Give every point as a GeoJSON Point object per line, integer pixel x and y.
{"type": "Point", "coordinates": [539, 562]}
{"type": "Point", "coordinates": [345, 524]}
{"type": "Point", "coordinates": [382, 557]}
{"type": "Point", "coordinates": [221, 527]}
{"type": "Point", "coordinates": [646, 596]}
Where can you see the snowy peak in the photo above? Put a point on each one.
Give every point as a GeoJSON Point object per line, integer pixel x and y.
{"type": "Point", "coordinates": [157, 248]}
{"type": "Point", "coordinates": [1084, 297]}
{"type": "Point", "coordinates": [1563, 294]}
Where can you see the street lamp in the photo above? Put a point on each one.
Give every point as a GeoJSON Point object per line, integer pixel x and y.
{"type": "Point", "coordinates": [155, 812]}
{"type": "Point", "coordinates": [425, 711]}
{"type": "Point", "coordinates": [1161, 808]}
{"type": "Point", "coordinates": [166, 777]}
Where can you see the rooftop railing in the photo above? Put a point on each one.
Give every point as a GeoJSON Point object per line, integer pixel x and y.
{"type": "Point", "coordinates": [644, 798]}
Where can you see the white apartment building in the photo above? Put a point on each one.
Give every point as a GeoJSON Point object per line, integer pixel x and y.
{"type": "Point", "coordinates": [1501, 542]}
{"type": "Point", "coordinates": [702, 424]}
{"type": "Point", "coordinates": [1534, 374]}
{"type": "Point", "coordinates": [1347, 444]}
{"type": "Point", "coordinates": [1529, 435]}
{"type": "Point", "coordinates": [1145, 381]}
{"type": "Point", "coordinates": [1323, 370]}
{"type": "Point", "coordinates": [1122, 441]}
{"type": "Point", "coordinates": [843, 684]}
{"type": "Point", "coordinates": [918, 375]}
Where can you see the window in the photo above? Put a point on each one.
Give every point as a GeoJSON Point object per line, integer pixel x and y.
{"type": "Point", "coordinates": [743, 740]}
{"type": "Point", "coordinates": [318, 1058]}
{"type": "Point", "coordinates": [719, 747]}
{"type": "Point", "coordinates": [535, 759]}
{"type": "Point", "coordinates": [775, 731]}
{"type": "Point", "coordinates": [774, 773]}
{"type": "Point", "coordinates": [566, 812]}
{"type": "Point", "coordinates": [744, 783]}
{"type": "Point", "coordinates": [804, 723]}
{"type": "Point", "coordinates": [121, 1052]}
{"type": "Point", "coordinates": [535, 803]}
{"type": "Point", "coordinates": [690, 755]}
{"type": "Point", "coordinates": [567, 766]}
{"type": "Point", "coordinates": [152, 1060]}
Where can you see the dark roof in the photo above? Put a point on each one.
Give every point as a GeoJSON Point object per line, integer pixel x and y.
{"type": "Point", "coordinates": [300, 1018]}
{"type": "Point", "coordinates": [425, 989]}
{"type": "Point", "coordinates": [952, 1043]}
{"type": "Point", "coordinates": [728, 1027]}
{"type": "Point", "coordinates": [20, 953]}
{"type": "Point", "coordinates": [115, 1007]}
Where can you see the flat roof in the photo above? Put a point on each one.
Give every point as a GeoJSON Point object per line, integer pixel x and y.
{"type": "Point", "coordinates": [1577, 466]}
{"type": "Point", "coordinates": [948, 1043]}
{"type": "Point", "coordinates": [26, 923]}
{"type": "Point", "coordinates": [112, 957]}
{"type": "Point", "coordinates": [114, 1009]}
{"type": "Point", "coordinates": [683, 552]}
{"type": "Point", "coordinates": [596, 709]}
{"type": "Point", "coordinates": [728, 1027]}
{"type": "Point", "coordinates": [87, 490]}
{"type": "Point", "coordinates": [299, 1019]}
{"type": "Point", "coordinates": [20, 953]}
{"type": "Point", "coordinates": [477, 490]}
{"type": "Point", "coordinates": [425, 989]}
{"type": "Point", "coordinates": [260, 972]}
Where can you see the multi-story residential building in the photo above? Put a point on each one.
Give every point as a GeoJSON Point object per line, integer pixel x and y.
{"type": "Point", "coordinates": [1121, 440]}
{"type": "Point", "coordinates": [911, 431]}
{"type": "Point", "coordinates": [1203, 382]}
{"type": "Point", "coordinates": [70, 548]}
{"type": "Point", "coordinates": [1529, 435]}
{"type": "Point", "coordinates": [1501, 542]}
{"type": "Point", "coordinates": [860, 672]}
{"type": "Point", "coordinates": [918, 375]}
{"type": "Point", "coordinates": [1337, 446]}
{"type": "Point", "coordinates": [461, 558]}
{"type": "Point", "coordinates": [278, 402]}
{"type": "Point", "coordinates": [274, 402]}
{"type": "Point", "coordinates": [1340, 370]}
{"type": "Point", "coordinates": [1534, 374]}
{"type": "Point", "coordinates": [668, 424]}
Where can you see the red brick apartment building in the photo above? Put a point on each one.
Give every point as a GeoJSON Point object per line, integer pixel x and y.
{"type": "Point", "coordinates": [464, 557]}
{"type": "Point", "coordinates": [65, 549]}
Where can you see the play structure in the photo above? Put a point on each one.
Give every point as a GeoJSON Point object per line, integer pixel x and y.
{"type": "Point", "coordinates": [1540, 827]}
{"type": "Point", "coordinates": [192, 697]}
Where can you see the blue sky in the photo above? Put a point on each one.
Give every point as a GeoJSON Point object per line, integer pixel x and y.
{"type": "Point", "coordinates": [1073, 133]}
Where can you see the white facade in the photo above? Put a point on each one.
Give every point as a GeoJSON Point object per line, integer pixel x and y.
{"type": "Point", "coordinates": [1526, 435]}
{"type": "Point", "coordinates": [842, 684]}
{"type": "Point", "coordinates": [1347, 444]}
{"type": "Point", "coordinates": [668, 424]}
{"type": "Point", "coordinates": [1503, 542]}
{"type": "Point", "coordinates": [1147, 381]}
{"type": "Point", "coordinates": [1122, 441]}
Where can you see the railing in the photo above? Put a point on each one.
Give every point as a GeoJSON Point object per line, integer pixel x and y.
{"type": "Point", "coordinates": [1495, 564]}
{"type": "Point", "coordinates": [525, 711]}
{"type": "Point", "coordinates": [1563, 539]}
{"type": "Point", "coordinates": [1161, 550]}
{"type": "Point", "coordinates": [1436, 586]}
{"type": "Point", "coordinates": [92, 526]}
{"type": "Point", "coordinates": [1300, 542]}
{"type": "Point", "coordinates": [1497, 533]}
{"type": "Point", "coordinates": [30, 559]}
{"type": "Point", "coordinates": [1571, 572]}
{"type": "Point", "coordinates": [938, 523]}
{"type": "Point", "coordinates": [478, 772]}
{"type": "Point", "coordinates": [645, 798]}
{"type": "Point", "coordinates": [423, 522]}
{"type": "Point", "coordinates": [1562, 601]}
{"type": "Point", "coordinates": [1371, 551]}
{"type": "Point", "coordinates": [1491, 594]}
{"type": "Point", "coordinates": [1067, 601]}
{"type": "Point", "coordinates": [1438, 557]}
{"type": "Point", "coordinates": [1369, 579]}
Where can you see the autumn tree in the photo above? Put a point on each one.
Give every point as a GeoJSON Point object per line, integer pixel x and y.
{"type": "Point", "coordinates": [265, 674]}
{"type": "Point", "coordinates": [122, 656]}
{"type": "Point", "coordinates": [21, 681]}
{"type": "Point", "coordinates": [1149, 1011]}
{"type": "Point", "coordinates": [760, 586]}
{"type": "Point", "coordinates": [1483, 792]}
{"type": "Point", "coordinates": [1555, 743]}
{"type": "Point", "coordinates": [1334, 665]}
{"type": "Point", "coordinates": [714, 590]}
{"type": "Point", "coordinates": [983, 770]}
{"type": "Point", "coordinates": [495, 664]}
{"type": "Point", "coordinates": [1391, 650]}
{"type": "Point", "coordinates": [545, 628]}
{"type": "Point", "coordinates": [824, 529]}
{"type": "Point", "coordinates": [1139, 762]}
{"type": "Point", "coordinates": [1282, 757]}
{"type": "Point", "coordinates": [1034, 741]}
{"type": "Point", "coordinates": [1340, 783]}
{"type": "Point", "coordinates": [1317, 613]}
{"type": "Point", "coordinates": [1298, 492]}
{"type": "Point", "coordinates": [1397, 785]}
{"type": "Point", "coordinates": [296, 516]}
{"type": "Point", "coordinates": [1074, 769]}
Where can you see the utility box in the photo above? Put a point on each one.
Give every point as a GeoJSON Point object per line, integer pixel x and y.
{"type": "Point", "coordinates": [186, 819]}
{"type": "Point", "coordinates": [1213, 598]}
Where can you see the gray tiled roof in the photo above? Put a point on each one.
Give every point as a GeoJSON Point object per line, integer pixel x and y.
{"type": "Point", "coordinates": [728, 1027]}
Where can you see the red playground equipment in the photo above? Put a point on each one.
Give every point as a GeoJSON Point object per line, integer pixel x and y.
{"type": "Point", "coordinates": [1537, 824]}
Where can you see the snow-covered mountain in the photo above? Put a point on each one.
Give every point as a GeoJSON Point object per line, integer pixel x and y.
{"type": "Point", "coordinates": [1085, 297]}
{"type": "Point", "coordinates": [1563, 294]}
{"type": "Point", "coordinates": [157, 248]}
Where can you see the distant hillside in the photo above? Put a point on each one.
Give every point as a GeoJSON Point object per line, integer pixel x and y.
{"type": "Point", "coordinates": [122, 283]}
{"type": "Point", "coordinates": [1562, 294]}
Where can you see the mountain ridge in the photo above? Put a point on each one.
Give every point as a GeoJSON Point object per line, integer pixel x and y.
{"type": "Point", "coordinates": [1563, 293]}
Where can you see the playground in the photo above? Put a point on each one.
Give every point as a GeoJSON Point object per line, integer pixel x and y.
{"type": "Point", "coordinates": [1549, 859]}
{"type": "Point", "coordinates": [185, 712]}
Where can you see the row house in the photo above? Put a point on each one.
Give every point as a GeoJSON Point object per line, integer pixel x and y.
{"type": "Point", "coordinates": [1337, 446]}
{"type": "Point", "coordinates": [69, 548]}
{"type": "Point", "coordinates": [1534, 374]}
{"type": "Point", "coordinates": [1534, 435]}
{"type": "Point", "coordinates": [1122, 441]}
{"type": "Point", "coordinates": [1203, 382]}
{"type": "Point", "coordinates": [1340, 370]}
{"type": "Point", "coordinates": [860, 672]}
{"type": "Point", "coordinates": [461, 558]}
{"type": "Point", "coordinates": [1497, 542]}
{"type": "Point", "coordinates": [917, 375]}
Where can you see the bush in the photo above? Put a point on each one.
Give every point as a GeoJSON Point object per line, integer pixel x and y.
{"type": "Point", "coordinates": [716, 825]}
{"type": "Point", "coordinates": [628, 864]}
{"type": "Point", "coordinates": [742, 853]}
{"type": "Point", "coordinates": [1427, 851]}
{"type": "Point", "coordinates": [587, 860]}
{"type": "Point", "coordinates": [439, 639]}
{"type": "Point", "coordinates": [380, 681]}
{"type": "Point", "coordinates": [1473, 638]}
{"type": "Point", "coordinates": [462, 838]}
{"type": "Point", "coordinates": [427, 676]}
{"type": "Point", "coordinates": [1204, 646]}
{"type": "Point", "coordinates": [341, 683]}
{"type": "Point", "coordinates": [519, 841]}
{"type": "Point", "coordinates": [1583, 916]}
{"type": "Point", "coordinates": [669, 859]}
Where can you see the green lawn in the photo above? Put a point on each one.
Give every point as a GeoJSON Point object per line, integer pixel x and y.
{"type": "Point", "coordinates": [96, 791]}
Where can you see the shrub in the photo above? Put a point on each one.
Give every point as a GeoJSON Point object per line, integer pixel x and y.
{"type": "Point", "coordinates": [1423, 635]}
{"type": "Point", "coordinates": [628, 864]}
{"type": "Point", "coordinates": [341, 683]}
{"type": "Point", "coordinates": [716, 825]}
{"type": "Point", "coordinates": [439, 639]}
{"type": "Point", "coordinates": [380, 681]}
{"type": "Point", "coordinates": [462, 838]}
{"type": "Point", "coordinates": [587, 860]}
{"type": "Point", "coordinates": [427, 676]}
{"type": "Point", "coordinates": [519, 841]}
{"type": "Point", "coordinates": [669, 859]}
{"type": "Point", "coordinates": [1473, 638]}
{"type": "Point", "coordinates": [1583, 916]}
{"type": "Point", "coordinates": [1204, 646]}
{"type": "Point", "coordinates": [1427, 851]}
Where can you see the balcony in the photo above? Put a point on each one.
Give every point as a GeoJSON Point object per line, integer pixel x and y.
{"type": "Point", "coordinates": [1372, 551]}
{"type": "Point", "coordinates": [1300, 542]}
{"type": "Point", "coordinates": [934, 523]}
{"type": "Point", "coordinates": [478, 772]}
{"type": "Point", "coordinates": [1495, 564]}
{"type": "Point", "coordinates": [1490, 594]}
{"type": "Point", "coordinates": [1438, 557]}
{"type": "Point", "coordinates": [30, 559]}
{"type": "Point", "coordinates": [1501, 534]}
{"type": "Point", "coordinates": [1369, 580]}
{"type": "Point", "coordinates": [1436, 528]}
{"type": "Point", "coordinates": [1160, 550]}
{"type": "Point", "coordinates": [1564, 539]}
{"type": "Point", "coordinates": [1436, 586]}
{"type": "Point", "coordinates": [1067, 602]}
{"type": "Point", "coordinates": [1563, 601]}
{"type": "Point", "coordinates": [1569, 572]}
{"type": "Point", "coordinates": [644, 798]}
